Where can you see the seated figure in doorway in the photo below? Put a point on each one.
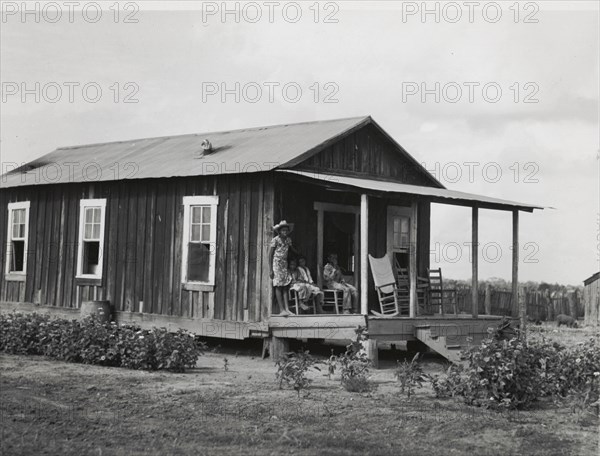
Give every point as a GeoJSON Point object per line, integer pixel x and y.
{"type": "Point", "coordinates": [334, 279]}
{"type": "Point", "coordinates": [303, 284]}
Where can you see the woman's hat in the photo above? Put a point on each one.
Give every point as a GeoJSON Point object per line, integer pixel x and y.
{"type": "Point", "coordinates": [283, 224]}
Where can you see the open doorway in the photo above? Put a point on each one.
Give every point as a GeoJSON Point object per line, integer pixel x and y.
{"type": "Point", "coordinates": [338, 228]}
{"type": "Point", "coordinates": [339, 237]}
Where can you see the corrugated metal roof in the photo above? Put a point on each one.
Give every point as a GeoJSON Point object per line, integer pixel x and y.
{"type": "Point", "coordinates": [434, 194]}
{"type": "Point", "coordinates": [238, 151]}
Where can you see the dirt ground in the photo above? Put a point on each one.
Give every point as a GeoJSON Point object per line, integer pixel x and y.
{"type": "Point", "coordinates": [54, 408]}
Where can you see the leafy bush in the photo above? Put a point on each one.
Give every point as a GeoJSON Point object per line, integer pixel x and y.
{"type": "Point", "coordinates": [410, 375]}
{"type": "Point", "coordinates": [354, 365]}
{"type": "Point", "coordinates": [92, 342]}
{"type": "Point", "coordinates": [513, 374]}
{"type": "Point", "coordinates": [292, 369]}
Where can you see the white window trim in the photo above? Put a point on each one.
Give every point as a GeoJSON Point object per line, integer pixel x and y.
{"type": "Point", "coordinates": [9, 251]}
{"type": "Point", "coordinates": [101, 202]}
{"type": "Point", "coordinates": [188, 201]}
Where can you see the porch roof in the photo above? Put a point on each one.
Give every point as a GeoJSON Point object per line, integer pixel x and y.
{"type": "Point", "coordinates": [437, 195]}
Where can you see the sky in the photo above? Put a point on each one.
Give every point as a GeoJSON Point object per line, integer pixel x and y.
{"type": "Point", "coordinates": [502, 102]}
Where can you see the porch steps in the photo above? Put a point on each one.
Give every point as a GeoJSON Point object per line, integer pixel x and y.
{"type": "Point", "coordinates": [446, 340]}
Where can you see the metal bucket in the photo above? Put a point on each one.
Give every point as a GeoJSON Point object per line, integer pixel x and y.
{"type": "Point", "coordinates": [99, 309]}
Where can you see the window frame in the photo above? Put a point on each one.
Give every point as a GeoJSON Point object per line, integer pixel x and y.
{"type": "Point", "coordinates": [188, 203]}
{"type": "Point", "coordinates": [16, 275]}
{"type": "Point", "coordinates": [83, 205]}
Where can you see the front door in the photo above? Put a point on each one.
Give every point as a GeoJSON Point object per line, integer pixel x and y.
{"type": "Point", "coordinates": [398, 236]}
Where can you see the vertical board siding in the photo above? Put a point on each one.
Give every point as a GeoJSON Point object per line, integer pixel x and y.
{"type": "Point", "coordinates": [369, 153]}
{"type": "Point", "coordinates": [142, 246]}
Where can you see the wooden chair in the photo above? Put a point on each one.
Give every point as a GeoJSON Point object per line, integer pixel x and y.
{"type": "Point", "coordinates": [333, 300]}
{"type": "Point", "coordinates": [438, 295]}
{"type": "Point", "coordinates": [294, 302]}
{"type": "Point", "coordinates": [403, 281]}
{"type": "Point", "coordinates": [392, 300]}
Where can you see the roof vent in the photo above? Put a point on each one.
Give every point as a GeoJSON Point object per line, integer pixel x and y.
{"type": "Point", "coordinates": [207, 146]}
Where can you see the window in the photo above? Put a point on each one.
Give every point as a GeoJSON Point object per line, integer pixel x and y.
{"type": "Point", "coordinates": [18, 231]}
{"type": "Point", "coordinates": [199, 239]}
{"type": "Point", "coordinates": [91, 238]}
{"type": "Point", "coordinates": [401, 233]}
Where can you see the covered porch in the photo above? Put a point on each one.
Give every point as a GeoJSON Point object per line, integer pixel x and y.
{"type": "Point", "coordinates": [355, 217]}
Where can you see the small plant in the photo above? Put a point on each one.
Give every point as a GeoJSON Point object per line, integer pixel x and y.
{"type": "Point", "coordinates": [410, 375]}
{"type": "Point", "coordinates": [292, 369]}
{"type": "Point", "coordinates": [225, 364]}
{"type": "Point", "coordinates": [354, 364]}
{"type": "Point", "coordinates": [331, 365]}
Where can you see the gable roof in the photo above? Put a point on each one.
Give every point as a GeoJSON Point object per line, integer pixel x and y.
{"type": "Point", "coordinates": [238, 151]}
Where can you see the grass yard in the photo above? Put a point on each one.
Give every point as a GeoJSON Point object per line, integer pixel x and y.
{"type": "Point", "coordinates": [55, 408]}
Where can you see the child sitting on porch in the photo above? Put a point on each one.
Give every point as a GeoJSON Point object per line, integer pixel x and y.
{"type": "Point", "coordinates": [278, 262]}
{"type": "Point", "coordinates": [332, 273]}
{"type": "Point", "coordinates": [303, 285]}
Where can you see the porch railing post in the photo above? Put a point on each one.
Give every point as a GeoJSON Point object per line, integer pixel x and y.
{"type": "Point", "coordinates": [364, 252]}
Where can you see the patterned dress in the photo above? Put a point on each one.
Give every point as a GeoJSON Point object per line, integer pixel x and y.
{"type": "Point", "coordinates": [303, 285]}
{"type": "Point", "coordinates": [281, 276]}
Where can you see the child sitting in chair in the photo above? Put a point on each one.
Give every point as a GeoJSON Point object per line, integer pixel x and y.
{"type": "Point", "coordinates": [334, 278]}
{"type": "Point", "coordinates": [303, 285]}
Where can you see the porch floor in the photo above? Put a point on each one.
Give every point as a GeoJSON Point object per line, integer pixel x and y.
{"type": "Point", "coordinates": [342, 327]}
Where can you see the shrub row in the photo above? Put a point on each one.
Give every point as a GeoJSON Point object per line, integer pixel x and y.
{"type": "Point", "coordinates": [513, 374]}
{"type": "Point", "coordinates": [92, 342]}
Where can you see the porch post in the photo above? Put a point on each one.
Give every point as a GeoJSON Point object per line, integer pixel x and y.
{"type": "Point", "coordinates": [364, 252]}
{"type": "Point", "coordinates": [515, 269]}
{"type": "Point", "coordinates": [475, 261]}
{"type": "Point", "coordinates": [320, 248]}
{"type": "Point", "coordinates": [412, 261]}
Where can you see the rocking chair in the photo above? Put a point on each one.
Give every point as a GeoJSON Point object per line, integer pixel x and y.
{"type": "Point", "coordinates": [391, 300]}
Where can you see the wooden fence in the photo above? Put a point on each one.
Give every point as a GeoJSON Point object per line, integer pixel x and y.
{"type": "Point", "coordinates": [541, 305]}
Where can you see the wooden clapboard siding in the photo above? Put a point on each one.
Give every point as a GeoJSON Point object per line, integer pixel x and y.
{"type": "Point", "coordinates": [221, 260]}
{"type": "Point", "coordinates": [71, 248]}
{"type": "Point", "coordinates": [233, 253]}
{"type": "Point", "coordinates": [133, 235]}
{"type": "Point", "coordinates": [176, 237]}
{"type": "Point", "coordinates": [54, 223]}
{"type": "Point", "coordinates": [268, 218]}
{"type": "Point", "coordinates": [159, 246]}
{"type": "Point", "coordinates": [149, 248]}
{"type": "Point", "coordinates": [142, 231]}
{"type": "Point", "coordinates": [367, 152]}
{"type": "Point", "coordinates": [142, 246]}
{"type": "Point", "coordinates": [119, 267]}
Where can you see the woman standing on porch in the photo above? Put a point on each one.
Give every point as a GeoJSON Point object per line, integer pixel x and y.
{"type": "Point", "coordinates": [278, 261]}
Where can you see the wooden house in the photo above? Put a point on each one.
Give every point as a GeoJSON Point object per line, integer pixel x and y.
{"type": "Point", "coordinates": [591, 300]}
{"type": "Point", "coordinates": [175, 231]}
